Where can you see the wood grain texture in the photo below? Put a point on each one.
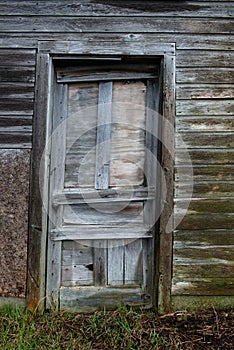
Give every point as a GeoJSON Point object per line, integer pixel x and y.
{"type": "Point", "coordinates": [202, 58]}
{"type": "Point", "coordinates": [205, 75]}
{"type": "Point", "coordinates": [205, 107]}
{"type": "Point", "coordinates": [104, 121]}
{"type": "Point", "coordinates": [114, 24]}
{"type": "Point", "coordinates": [205, 123]}
{"type": "Point", "coordinates": [131, 8]}
{"type": "Point", "coordinates": [183, 41]}
{"type": "Point", "coordinates": [37, 238]}
{"type": "Point", "coordinates": [204, 91]}
{"type": "Point", "coordinates": [202, 33]}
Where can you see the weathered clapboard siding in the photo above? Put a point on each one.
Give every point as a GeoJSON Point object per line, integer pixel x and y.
{"type": "Point", "coordinates": [183, 41]}
{"type": "Point", "coordinates": [202, 32]}
{"type": "Point", "coordinates": [17, 72]}
{"type": "Point", "coordinates": [204, 258]}
{"type": "Point", "coordinates": [114, 24]}
{"type": "Point", "coordinates": [85, 8]}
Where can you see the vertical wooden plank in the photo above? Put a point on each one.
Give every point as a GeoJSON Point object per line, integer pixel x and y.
{"type": "Point", "coordinates": [133, 263]}
{"type": "Point", "coordinates": [100, 262]}
{"type": "Point", "coordinates": [103, 136]}
{"type": "Point", "coordinates": [164, 259]}
{"type": "Point", "coordinates": [116, 257]}
{"type": "Point", "coordinates": [58, 149]}
{"type": "Point", "coordinates": [151, 212]}
{"type": "Point", "coordinates": [81, 135]}
{"type": "Point", "coordinates": [38, 217]}
{"type": "Point", "coordinates": [152, 159]}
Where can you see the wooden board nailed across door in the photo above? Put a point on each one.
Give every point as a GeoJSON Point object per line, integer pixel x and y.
{"type": "Point", "coordinates": [102, 193]}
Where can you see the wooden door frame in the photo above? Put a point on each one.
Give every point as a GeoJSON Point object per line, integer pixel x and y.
{"type": "Point", "coordinates": [103, 46]}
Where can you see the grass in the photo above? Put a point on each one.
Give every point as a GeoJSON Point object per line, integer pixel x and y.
{"type": "Point", "coordinates": [124, 328]}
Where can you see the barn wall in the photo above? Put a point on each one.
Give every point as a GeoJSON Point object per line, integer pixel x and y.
{"type": "Point", "coordinates": [203, 33]}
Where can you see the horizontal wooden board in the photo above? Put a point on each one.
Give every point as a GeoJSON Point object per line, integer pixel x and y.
{"type": "Point", "coordinates": [209, 286]}
{"type": "Point", "coordinates": [206, 172]}
{"type": "Point", "coordinates": [203, 238]}
{"type": "Point", "coordinates": [114, 24]}
{"type": "Point", "coordinates": [205, 271]}
{"type": "Point", "coordinates": [96, 298]}
{"type": "Point", "coordinates": [205, 107]}
{"type": "Point", "coordinates": [13, 105]}
{"type": "Point", "coordinates": [204, 91]}
{"type": "Point", "coordinates": [205, 75]}
{"type": "Point", "coordinates": [201, 58]}
{"type": "Point", "coordinates": [122, 8]}
{"type": "Point", "coordinates": [205, 140]}
{"type": "Point", "coordinates": [16, 137]}
{"type": "Point", "coordinates": [17, 90]}
{"type": "Point", "coordinates": [17, 57]}
{"type": "Point", "coordinates": [110, 195]}
{"type": "Point", "coordinates": [94, 232]}
{"type": "Point", "coordinates": [183, 41]}
{"type": "Point", "coordinates": [207, 205]}
{"type": "Point", "coordinates": [17, 74]}
{"type": "Point", "coordinates": [205, 156]}
{"type": "Point", "coordinates": [202, 123]}
{"type": "Point", "coordinates": [205, 255]}
{"type": "Point", "coordinates": [206, 221]}
{"type": "Point", "coordinates": [15, 120]}
{"type": "Point", "coordinates": [207, 189]}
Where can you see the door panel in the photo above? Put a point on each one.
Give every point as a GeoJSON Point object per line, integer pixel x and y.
{"type": "Point", "coordinates": [102, 209]}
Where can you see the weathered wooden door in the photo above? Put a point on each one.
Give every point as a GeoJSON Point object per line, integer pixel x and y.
{"type": "Point", "coordinates": [103, 187]}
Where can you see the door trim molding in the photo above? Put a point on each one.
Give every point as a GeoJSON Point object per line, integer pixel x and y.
{"type": "Point", "coordinates": [103, 46]}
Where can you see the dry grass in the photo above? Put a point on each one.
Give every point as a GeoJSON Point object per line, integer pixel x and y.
{"type": "Point", "coordinates": [120, 329]}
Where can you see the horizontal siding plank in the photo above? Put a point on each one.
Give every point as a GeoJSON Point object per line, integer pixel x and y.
{"type": "Point", "coordinates": [203, 238]}
{"type": "Point", "coordinates": [204, 255]}
{"type": "Point", "coordinates": [15, 120]}
{"type": "Point", "coordinates": [204, 189]}
{"type": "Point", "coordinates": [17, 57]}
{"type": "Point", "coordinates": [15, 137]}
{"type": "Point", "coordinates": [205, 172]}
{"type": "Point", "coordinates": [114, 24]}
{"type": "Point", "coordinates": [183, 41]}
{"type": "Point", "coordinates": [123, 8]}
{"type": "Point", "coordinates": [205, 75]}
{"type": "Point", "coordinates": [204, 123]}
{"type": "Point", "coordinates": [206, 221]}
{"type": "Point", "coordinates": [205, 107]}
{"type": "Point", "coordinates": [17, 90]}
{"type": "Point", "coordinates": [205, 157]}
{"type": "Point", "coordinates": [204, 91]}
{"type": "Point", "coordinates": [205, 271]}
{"type": "Point", "coordinates": [209, 286]}
{"type": "Point", "coordinates": [17, 74]}
{"type": "Point", "coordinates": [14, 105]}
{"type": "Point", "coordinates": [207, 205]}
{"type": "Point", "coordinates": [201, 58]}
{"type": "Point", "coordinates": [205, 140]}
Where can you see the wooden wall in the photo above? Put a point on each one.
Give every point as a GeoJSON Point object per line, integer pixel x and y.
{"type": "Point", "coordinates": [203, 33]}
